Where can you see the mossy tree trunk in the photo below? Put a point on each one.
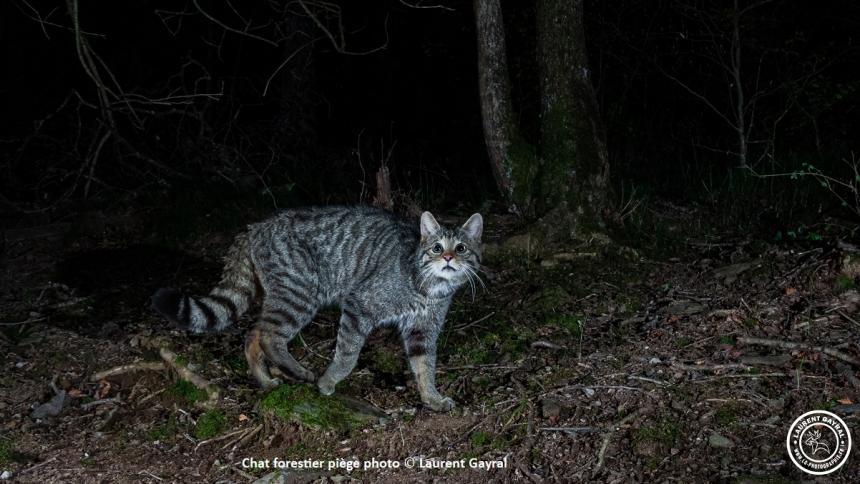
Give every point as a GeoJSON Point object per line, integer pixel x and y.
{"type": "Point", "coordinates": [564, 178]}
{"type": "Point", "coordinates": [512, 160]}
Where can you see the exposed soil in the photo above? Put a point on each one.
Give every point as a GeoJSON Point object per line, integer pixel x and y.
{"type": "Point", "coordinates": [592, 363]}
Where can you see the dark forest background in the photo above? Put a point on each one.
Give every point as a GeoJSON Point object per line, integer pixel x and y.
{"type": "Point", "coordinates": [258, 105]}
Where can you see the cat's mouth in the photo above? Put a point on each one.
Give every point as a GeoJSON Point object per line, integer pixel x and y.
{"type": "Point", "coordinates": [449, 268]}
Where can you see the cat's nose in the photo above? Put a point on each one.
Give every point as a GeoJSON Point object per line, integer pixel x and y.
{"type": "Point", "coordinates": [447, 257]}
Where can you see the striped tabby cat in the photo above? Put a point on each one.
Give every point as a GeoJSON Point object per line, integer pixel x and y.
{"type": "Point", "coordinates": [377, 268]}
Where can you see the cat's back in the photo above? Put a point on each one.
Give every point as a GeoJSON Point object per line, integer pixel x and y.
{"type": "Point", "coordinates": [339, 228]}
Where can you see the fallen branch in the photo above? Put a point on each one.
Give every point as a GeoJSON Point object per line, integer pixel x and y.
{"type": "Point", "coordinates": [244, 438]}
{"type": "Point", "coordinates": [118, 370]}
{"type": "Point", "coordinates": [221, 437]}
{"type": "Point", "coordinates": [36, 466]}
{"type": "Point", "coordinates": [790, 345]}
{"type": "Point", "coordinates": [184, 373]}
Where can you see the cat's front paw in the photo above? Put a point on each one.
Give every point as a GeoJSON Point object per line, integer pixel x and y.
{"type": "Point", "coordinates": [305, 375]}
{"type": "Point", "coordinates": [325, 386]}
{"type": "Point", "coordinates": [271, 383]}
{"type": "Point", "coordinates": [440, 404]}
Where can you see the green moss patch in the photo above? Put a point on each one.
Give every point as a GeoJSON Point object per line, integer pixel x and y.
{"type": "Point", "coordinates": [185, 392]}
{"type": "Point", "coordinates": [210, 424]}
{"type": "Point", "coordinates": [6, 452]}
{"type": "Point", "coordinates": [570, 323]}
{"type": "Point", "coordinates": [844, 282]}
{"type": "Point", "coordinates": [665, 432]}
{"type": "Point", "coordinates": [305, 405]}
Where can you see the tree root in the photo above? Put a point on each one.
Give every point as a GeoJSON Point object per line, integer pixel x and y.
{"type": "Point", "coordinates": [184, 373]}
{"type": "Point", "coordinates": [172, 361]}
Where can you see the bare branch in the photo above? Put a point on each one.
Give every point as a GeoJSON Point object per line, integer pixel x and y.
{"type": "Point", "coordinates": [231, 29]}
{"type": "Point", "coordinates": [701, 97]}
{"type": "Point", "coordinates": [418, 5]}
{"type": "Point", "coordinates": [339, 47]}
{"type": "Point", "coordinates": [288, 59]}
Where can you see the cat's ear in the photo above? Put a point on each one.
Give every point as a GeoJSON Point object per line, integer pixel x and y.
{"type": "Point", "coordinates": [429, 225]}
{"type": "Point", "coordinates": [474, 227]}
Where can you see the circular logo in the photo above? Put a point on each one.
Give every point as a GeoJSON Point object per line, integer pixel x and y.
{"type": "Point", "coordinates": [818, 442]}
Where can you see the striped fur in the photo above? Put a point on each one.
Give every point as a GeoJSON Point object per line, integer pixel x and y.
{"type": "Point", "coordinates": [223, 305]}
{"type": "Point", "coordinates": [379, 269]}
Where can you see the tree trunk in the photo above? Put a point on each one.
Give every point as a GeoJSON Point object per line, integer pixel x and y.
{"type": "Point", "coordinates": [575, 166]}
{"type": "Point", "coordinates": [513, 161]}
{"type": "Point", "coordinates": [569, 175]}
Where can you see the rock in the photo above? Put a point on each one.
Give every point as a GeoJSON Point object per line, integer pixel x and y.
{"type": "Point", "coordinates": [52, 408]}
{"type": "Point", "coordinates": [550, 408]}
{"type": "Point", "coordinates": [654, 361]}
{"type": "Point", "coordinates": [730, 273]}
{"type": "Point", "coordinates": [850, 408]}
{"type": "Point", "coordinates": [589, 392]}
{"type": "Point", "coordinates": [720, 442]}
{"type": "Point", "coordinates": [5, 475]}
{"type": "Point", "coordinates": [678, 405]}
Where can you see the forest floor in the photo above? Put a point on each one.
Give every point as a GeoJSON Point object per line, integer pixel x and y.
{"type": "Point", "coordinates": [592, 363]}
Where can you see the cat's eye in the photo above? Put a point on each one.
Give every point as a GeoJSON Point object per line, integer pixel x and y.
{"type": "Point", "coordinates": [437, 248]}
{"type": "Point", "coordinates": [460, 248]}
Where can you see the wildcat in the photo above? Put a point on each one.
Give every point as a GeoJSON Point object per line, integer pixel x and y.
{"type": "Point", "coordinates": [379, 269]}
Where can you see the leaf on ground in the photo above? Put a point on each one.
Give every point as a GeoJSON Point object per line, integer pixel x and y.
{"type": "Point", "coordinates": [103, 390]}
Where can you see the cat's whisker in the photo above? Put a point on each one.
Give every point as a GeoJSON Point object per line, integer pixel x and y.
{"type": "Point", "coordinates": [470, 281]}
{"type": "Point", "coordinates": [478, 277]}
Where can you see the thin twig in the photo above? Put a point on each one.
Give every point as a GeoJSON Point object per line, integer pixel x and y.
{"type": "Point", "coordinates": [462, 328]}
{"type": "Point", "coordinates": [36, 466]}
{"type": "Point", "coordinates": [712, 368]}
{"type": "Point", "coordinates": [128, 368]}
{"type": "Point", "coordinates": [29, 321]}
{"type": "Point", "coordinates": [607, 436]}
{"type": "Point", "coordinates": [95, 403]}
{"type": "Point", "coordinates": [221, 437]}
{"type": "Point", "coordinates": [790, 345]}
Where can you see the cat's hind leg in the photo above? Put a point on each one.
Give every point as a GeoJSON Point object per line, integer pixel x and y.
{"type": "Point", "coordinates": [257, 360]}
{"type": "Point", "coordinates": [277, 328]}
{"type": "Point", "coordinates": [351, 335]}
{"type": "Point", "coordinates": [289, 304]}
